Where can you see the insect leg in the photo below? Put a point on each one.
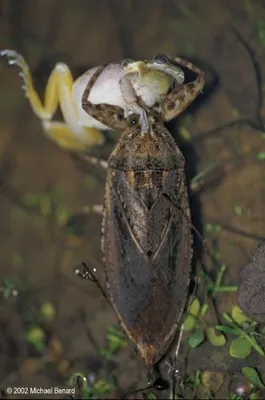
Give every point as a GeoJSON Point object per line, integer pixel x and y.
{"type": "Point", "coordinates": [175, 373]}
{"type": "Point", "coordinates": [96, 208]}
{"type": "Point", "coordinates": [211, 174]}
{"type": "Point", "coordinates": [94, 161]}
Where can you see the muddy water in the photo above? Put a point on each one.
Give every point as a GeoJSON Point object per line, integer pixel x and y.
{"type": "Point", "coordinates": [84, 34]}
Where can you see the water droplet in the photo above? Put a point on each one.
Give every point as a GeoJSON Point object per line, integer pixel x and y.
{"type": "Point", "coordinates": [239, 385]}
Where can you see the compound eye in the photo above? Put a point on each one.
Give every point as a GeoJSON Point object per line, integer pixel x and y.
{"type": "Point", "coordinates": [161, 59]}
{"type": "Point", "coordinates": [133, 119]}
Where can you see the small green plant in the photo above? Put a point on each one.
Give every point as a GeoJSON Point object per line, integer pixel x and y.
{"type": "Point", "coordinates": [244, 327]}
{"type": "Point", "coordinates": [36, 337]}
{"type": "Point", "coordinates": [201, 385]}
{"type": "Point", "coordinates": [260, 28]}
{"type": "Point", "coordinates": [194, 323]}
{"type": "Point", "coordinates": [261, 155]}
{"type": "Point", "coordinates": [116, 340]}
{"type": "Point", "coordinates": [47, 313]}
{"type": "Point", "coordinates": [79, 381]}
{"type": "Point", "coordinates": [213, 228]}
{"type": "Point", "coordinates": [191, 385]}
{"type": "Point", "coordinates": [90, 181]}
{"type": "Point", "coordinates": [195, 320]}
{"type": "Point", "coordinates": [105, 382]}
{"type": "Point", "coordinates": [17, 261]}
{"type": "Point", "coordinates": [215, 287]}
{"type": "Point", "coordinates": [238, 210]}
{"type": "Point", "coordinates": [252, 375]}
{"type": "Point", "coordinates": [236, 113]}
{"type": "Point", "coordinates": [12, 285]}
{"type": "Point", "coordinates": [49, 204]}
{"type": "Point", "coordinates": [151, 396]}
{"type": "Point", "coordinates": [88, 391]}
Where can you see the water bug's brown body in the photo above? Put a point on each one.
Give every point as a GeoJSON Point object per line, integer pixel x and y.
{"type": "Point", "coordinates": [147, 237]}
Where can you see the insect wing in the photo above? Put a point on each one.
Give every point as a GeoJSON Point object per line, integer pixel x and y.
{"type": "Point", "coordinates": [147, 247]}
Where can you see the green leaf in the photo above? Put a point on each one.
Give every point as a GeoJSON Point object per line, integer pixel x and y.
{"type": "Point", "coordinates": [185, 133]}
{"type": "Point", "coordinates": [32, 199]}
{"type": "Point", "coordinates": [213, 380]}
{"type": "Point", "coordinates": [191, 320]}
{"type": "Point", "coordinates": [151, 396]}
{"type": "Point", "coordinates": [220, 275]}
{"type": "Point", "coordinates": [17, 260]}
{"type": "Point", "coordinates": [231, 321]}
{"type": "Point", "coordinates": [260, 26]}
{"type": "Point", "coordinates": [213, 228]}
{"type": "Point", "coordinates": [214, 338]}
{"type": "Point", "coordinates": [258, 395]}
{"type": "Point", "coordinates": [197, 337]}
{"type": "Point", "coordinates": [90, 181]}
{"type": "Point", "coordinates": [190, 323]}
{"type": "Point", "coordinates": [261, 155]}
{"type": "Point", "coordinates": [102, 386]}
{"type": "Point", "coordinates": [204, 309]}
{"type": "Point", "coordinates": [238, 210]}
{"type": "Point", "coordinates": [106, 353]}
{"type": "Point", "coordinates": [240, 348]}
{"type": "Point", "coordinates": [252, 375]}
{"type": "Point", "coordinates": [226, 289]}
{"type": "Point", "coordinates": [36, 337]}
{"type": "Point", "coordinates": [239, 316]}
{"type": "Point", "coordinates": [226, 329]}
{"type": "Point", "coordinates": [63, 214]}
{"type": "Point", "coordinates": [116, 340]}
{"type": "Point", "coordinates": [45, 205]}
{"type": "Point", "coordinates": [195, 308]}
{"type": "Point", "coordinates": [80, 377]}
{"type": "Point", "coordinates": [47, 312]}
{"type": "Point", "coordinates": [236, 112]}
{"type": "Point", "coordinates": [254, 343]}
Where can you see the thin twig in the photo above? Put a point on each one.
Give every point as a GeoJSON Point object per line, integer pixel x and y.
{"type": "Point", "coordinates": [258, 74]}
{"type": "Point", "coordinates": [238, 231]}
{"type": "Point", "coordinates": [89, 275]}
{"type": "Point", "coordinates": [212, 132]}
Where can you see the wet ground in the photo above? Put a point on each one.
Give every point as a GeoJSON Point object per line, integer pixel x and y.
{"type": "Point", "coordinates": [218, 36]}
